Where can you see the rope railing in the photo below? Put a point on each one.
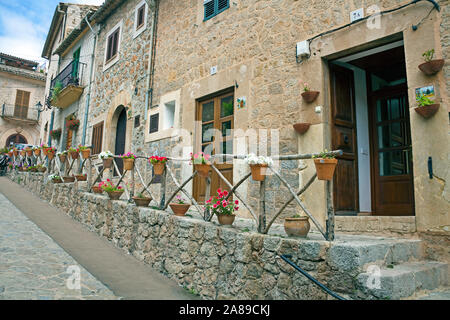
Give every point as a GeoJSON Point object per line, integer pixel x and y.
{"type": "Point", "coordinates": [129, 179]}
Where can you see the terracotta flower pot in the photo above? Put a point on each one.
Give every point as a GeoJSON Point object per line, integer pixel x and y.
{"type": "Point", "coordinates": [427, 111]}
{"type": "Point", "coordinates": [179, 209]}
{"type": "Point", "coordinates": [107, 163]}
{"type": "Point", "coordinates": [57, 181]}
{"type": "Point", "coordinates": [44, 152]}
{"type": "Point", "coordinates": [259, 171]}
{"type": "Point", "coordinates": [81, 177]}
{"type": "Point", "coordinates": [37, 152]}
{"type": "Point", "coordinates": [301, 128]}
{"type": "Point", "coordinates": [325, 168]}
{"type": "Point", "coordinates": [297, 227]}
{"type": "Point", "coordinates": [203, 169]}
{"type": "Point", "coordinates": [115, 195]}
{"type": "Point", "coordinates": [62, 158]}
{"type": "Point", "coordinates": [128, 164]}
{"type": "Point", "coordinates": [86, 153]}
{"type": "Point", "coordinates": [310, 96]}
{"type": "Point", "coordinates": [97, 189]}
{"type": "Point", "coordinates": [226, 220]}
{"type": "Point", "coordinates": [68, 179]}
{"type": "Point", "coordinates": [142, 202]}
{"type": "Point", "coordinates": [23, 153]}
{"type": "Point", "coordinates": [42, 169]}
{"type": "Point", "coordinates": [158, 169]}
{"type": "Point", "coordinates": [74, 155]}
{"type": "Point", "coordinates": [10, 154]}
{"type": "Point", "coordinates": [50, 155]}
{"type": "Point", "coordinates": [15, 153]}
{"type": "Point", "coordinates": [432, 67]}
{"type": "Point", "coordinates": [29, 152]}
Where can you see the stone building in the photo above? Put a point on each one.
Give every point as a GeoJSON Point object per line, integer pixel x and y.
{"type": "Point", "coordinates": [167, 71]}
{"type": "Point", "coordinates": [69, 47]}
{"type": "Point", "coordinates": [22, 87]}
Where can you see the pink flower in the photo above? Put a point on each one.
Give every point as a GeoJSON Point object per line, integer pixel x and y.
{"type": "Point", "coordinates": [219, 191]}
{"type": "Point", "coordinates": [215, 206]}
{"type": "Point", "coordinates": [225, 193]}
{"type": "Point", "coordinates": [236, 202]}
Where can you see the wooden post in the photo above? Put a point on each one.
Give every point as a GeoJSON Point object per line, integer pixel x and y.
{"type": "Point", "coordinates": [207, 215]}
{"type": "Point", "coordinates": [330, 213]}
{"type": "Point", "coordinates": [133, 183]}
{"type": "Point", "coordinates": [262, 206]}
{"type": "Point", "coordinates": [163, 191]}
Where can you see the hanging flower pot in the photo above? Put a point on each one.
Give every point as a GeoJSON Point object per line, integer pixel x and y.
{"type": "Point", "coordinates": [325, 168]}
{"type": "Point", "coordinates": [302, 127]}
{"type": "Point", "coordinates": [37, 152]}
{"type": "Point", "coordinates": [10, 153]}
{"type": "Point", "coordinates": [179, 209]}
{"type": "Point", "coordinates": [297, 227]}
{"type": "Point", "coordinates": [115, 195]}
{"type": "Point", "coordinates": [56, 134]}
{"type": "Point", "coordinates": [201, 163]}
{"type": "Point", "coordinates": [310, 96]}
{"type": "Point", "coordinates": [226, 219]}
{"type": "Point", "coordinates": [427, 111]}
{"type": "Point", "coordinates": [107, 158]}
{"type": "Point", "coordinates": [202, 169]}
{"type": "Point", "coordinates": [55, 178]}
{"type": "Point", "coordinates": [62, 157]}
{"type": "Point", "coordinates": [128, 164]}
{"type": "Point", "coordinates": [258, 171]}
{"type": "Point", "coordinates": [15, 152]}
{"type": "Point", "coordinates": [107, 163]}
{"type": "Point", "coordinates": [97, 189]}
{"type": "Point", "coordinates": [73, 124]}
{"type": "Point", "coordinates": [50, 155]}
{"type": "Point", "coordinates": [432, 67]}
{"type": "Point", "coordinates": [74, 153]}
{"type": "Point", "coordinates": [69, 179]}
{"type": "Point", "coordinates": [22, 153]}
{"type": "Point", "coordinates": [142, 201]}
{"type": "Point", "coordinates": [86, 153]}
{"type": "Point", "coordinates": [29, 152]}
{"type": "Point", "coordinates": [81, 177]}
{"type": "Point", "coordinates": [159, 164]}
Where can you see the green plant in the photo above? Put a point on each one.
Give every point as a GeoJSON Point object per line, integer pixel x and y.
{"type": "Point", "coordinates": [428, 55]}
{"type": "Point", "coordinates": [221, 205]}
{"type": "Point", "coordinates": [108, 186]}
{"type": "Point", "coordinates": [423, 101]}
{"type": "Point", "coordinates": [56, 90]}
{"type": "Point", "coordinates": [82, 148]}
{"type": "Point", "coordinates": [324, 155]}
{"type": "Point", "coordinates": [73, 150]}
{"type": "Point", "coordinates": [56, 134]}
{"type": "Point", "coordinates": [200, 158]}
{"type": "Point", "coordinates": [246, 230]}
{"type": "Point", "coordinates": [180, 200]}
{"type": "Point", "coordinates": [306, 87]}
{"type": "Point", "coordinates": [140, 195]}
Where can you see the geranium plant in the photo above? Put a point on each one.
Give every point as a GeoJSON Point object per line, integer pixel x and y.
{"type": "Point", "coordinates": [156, 159]}
{"type": "Point", "coordinates": [180, 200]}
{"type": "Point", "coordinates": [128, 155]}
{"type": "Point", "coordinates": [56, 134]}
{"type": "Point", "coordinates": [73, 150]}
{"type": "Point", "coordinates": [219, 205]}
{"type": "Point", "coordinates": [306, 87]}
{"type": "Point", "coordinates": [82, 148]}
{"type": "Point", "coordinates": [108, 186]}
{"type": "Point", "coordinates": [200, 158]}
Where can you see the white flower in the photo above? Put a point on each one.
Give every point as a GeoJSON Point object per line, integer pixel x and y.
{"type": "Point", "coordinates": [105, 155]}
{"type": "Point", "coordinates": [253, 159]}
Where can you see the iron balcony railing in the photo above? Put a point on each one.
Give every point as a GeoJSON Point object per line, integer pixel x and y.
{"type": "Point", "coordinates": [72, 74]}
{"type": "Point", "coordinates": [10, 111]}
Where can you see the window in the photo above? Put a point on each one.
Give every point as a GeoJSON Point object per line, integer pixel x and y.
{"type": "Point", "coordinates": [22, 103]}
{"type": "Point", "coordinates": [97, 138]}
{"type": "Point", "coordinates": [113, 45]}
{"type": "Point", "coordinates": [214, 7]}
{"type": "Point", "coordinates": [140, 18]}
{"type": "Point", "coordinates": [169, 115]}
{"type": "Point", "coordinates": [154, 123]}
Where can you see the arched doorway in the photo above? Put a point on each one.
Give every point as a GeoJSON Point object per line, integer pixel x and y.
{"type": "Point", "coordinates": [121, 132]}
{"type": "Point", "coordinates": [15, 139]}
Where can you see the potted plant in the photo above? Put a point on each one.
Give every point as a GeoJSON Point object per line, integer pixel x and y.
{"type": "Point", "coordinates": [50, 152]}
{"type": "Point", "coordinates": [222, 208]}
{"type": "Point", "coordinates": [44, 149]}
{"type": "Point", "coordinates": [258, 166]}
{"type": "Point", "coordinates": [201, 163]}
{"type": "Point", "coordinates": [15, 152]}
{"type": "Point", "coordinates": [56, 134]}
{"type": "Point", "coordinates": [85, 151]}
{"type": "Point", "coordinates": [62, 156]}
{"type": "Point", "coordinates": [81, 177]}
{"type": "Point", "coordinates": [56, 91]}
{"type": "Point", "coordinates": [113, 192]}
{"type": "Point", "coordinates": [37, 151]}
{"type": "Point", "coordinates": [309, 95]}
{"type": "Point", "coordinates": [431, 66]}
{"type": "Point", "coordinates": [72, 122]}
{"type": "Point", "coordinates": [179, 207]}
{"type": "Point", "coordinates": [23, 152]}
{"type": "Point", "coordinates": [41, 168]}
{"type": "Point", "coordinates": [325, 165]}
{"type": "Point", "coordinates": [158, 163]}
{"type": "Point", "coordinates": [10, 153]}
{"type": "Point", "coordinates": [141, 201]}
{"type": "Point", "coordinates": [69, 179]}
{"type": "Point", "coordinates": [107, 158]}
{"type": "Point", "coordinates": [128, 161]}
{"type": "Point", "coordinates": [74, 153]}
{"type": "Point", "coordinates": [55, 178]}
{"type": "Point", "coordinates": [426, 107]}
{"type": "Point", "coordinates": [297, 226]}
{"type": "Point", "coordinates": [97, 189]}
{"type": "Point", "coordinates": [29, 151]}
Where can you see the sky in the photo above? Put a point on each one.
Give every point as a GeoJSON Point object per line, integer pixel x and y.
{"type": "Point", "coordinates": [24, 25]}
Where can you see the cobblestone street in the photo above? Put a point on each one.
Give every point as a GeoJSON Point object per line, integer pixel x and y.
{"type": "Point", "coordinates": [33, 266]}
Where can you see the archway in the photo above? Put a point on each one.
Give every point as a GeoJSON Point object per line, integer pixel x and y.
{"type": "Point", "coordinates": [15, 139]}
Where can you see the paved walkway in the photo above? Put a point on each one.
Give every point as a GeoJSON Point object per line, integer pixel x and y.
{"type": "Point", "coordinates": [34, 266]}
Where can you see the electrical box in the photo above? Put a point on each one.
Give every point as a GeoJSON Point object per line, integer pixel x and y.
{"type": "Point", "coordinates": [356, 15]}
{"type": "Point", "coordinates": [213, 70]}
{"type": "Point", "coordinates": [303, 49]}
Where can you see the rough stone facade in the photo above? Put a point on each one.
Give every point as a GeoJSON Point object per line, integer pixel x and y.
{"type": "Point", "coordinates": [230, 263]}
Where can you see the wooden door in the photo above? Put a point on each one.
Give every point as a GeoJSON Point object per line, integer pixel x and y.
{"type": "Point", "coordinates": [343, 137]}
{"type": "Point", "coordinates": [22, 103]}
{"type": "Point", "coordinates": [121, 132]}
{"type": "Point", "coordinates": [215, 113]}
{"type": "Point", "coordinates": [392, 174]}
{"type": "Point", "coordinates": [69, 138]}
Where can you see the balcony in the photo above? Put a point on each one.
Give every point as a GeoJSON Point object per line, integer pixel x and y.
{"type": "Point", "coordinates": [19, 114]}
{"type": "Point", "coordinates": [69, 80]}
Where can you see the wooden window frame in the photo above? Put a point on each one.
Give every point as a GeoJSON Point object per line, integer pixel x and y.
{"type": "Point", "coordinates": [96, 136]}
{"type": "Point", "coordinates": [112, 43]}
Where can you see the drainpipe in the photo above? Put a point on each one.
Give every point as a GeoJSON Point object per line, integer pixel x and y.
{"type": "Point", "coordinates": [149, 84]}
{"type": "Point", "coordinates": [88, 97]}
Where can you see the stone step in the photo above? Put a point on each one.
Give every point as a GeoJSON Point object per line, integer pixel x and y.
{"type": "Point", "coordinates": [402, 281]}
{"type": "Point", "coordinates": [355, 255]}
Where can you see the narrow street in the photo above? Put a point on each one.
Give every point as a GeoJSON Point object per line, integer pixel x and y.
{"type": "Point", "coordinates": [37, 264]}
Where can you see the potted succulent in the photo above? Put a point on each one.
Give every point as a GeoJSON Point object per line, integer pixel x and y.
{"type": "Point", "coordinates": [51, 152]}
{"type": "Point", "coordinates": [297, 226]}
{"type": "Point", "coordinates": [128, 161]}
{"type": "Point", "coordinates": [62, 156]}
{"type": "Point", "coordinates": [81, 177]}
{"type": "Point", "coordinates": [426, 107]}
{"type": "Point", "coordinates": [97, 189]}
{"type": "Point", "coordinates": [141, 201]}
{"type": "Point", "coordinates": [113, 192]}
{"type": "Point", "coordinates": [55, 178]}
{"type": "Point", "coordinates": [74, 153]}
{"type": "Point", "coordinates": [158, 164]}
{"type": "Point", "coordinates": [201, 163]}
{"type": "Point", "coordinates": [179, 207]}
{"type": "Point", "coordinates": [222, 208]}
{"type": "Point", "coordinates": [258, 166]}
{"type": "Point", "coordinates": [107, 158]}
{"type": "Point", "coordinates": [85, 151]}
{"type": "Point", "coordinates": [37, 151]}
{"type": "Point", "coordinates": [56, 134]}
{"type": "Point", "coordinates": [431, 66]}
{"type": "Point", "coordinates": [309, 95]}
{"type": "Point", "coordinates": [325, 165]}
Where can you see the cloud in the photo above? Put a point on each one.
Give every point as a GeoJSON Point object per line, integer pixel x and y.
{"type": "Point", "coordinates": [90, 2]}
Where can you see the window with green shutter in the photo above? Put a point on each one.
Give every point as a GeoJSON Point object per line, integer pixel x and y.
{"type": "Point", "coordinates": [214, 7]}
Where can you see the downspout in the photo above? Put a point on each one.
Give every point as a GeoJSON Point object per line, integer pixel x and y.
{"type": "Point", "coordinates": [151, 60]}
{"type": "Point", "coordinates": [88, 97]}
